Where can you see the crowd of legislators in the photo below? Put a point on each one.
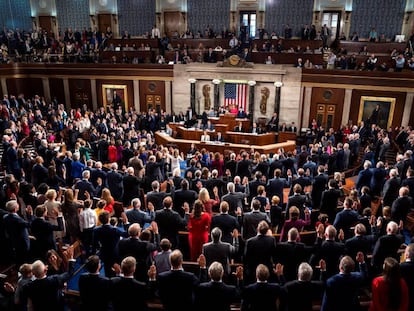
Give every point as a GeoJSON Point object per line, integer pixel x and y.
{"type": "Point", "coordinates": [99, 177]}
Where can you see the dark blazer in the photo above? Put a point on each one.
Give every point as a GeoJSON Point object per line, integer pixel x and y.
{"type": "Point", "coordinates": [346, 219]}
{"type": "Point", "coordinates": [409, 182]}
{"type": "Point", "coordinates": [300, 295]}
{"type": "Point", "coordinates": [341, 293]}
{"type": "Point", "coordinates": [260, 249]}
{"type": "Point", "coordinates": [363, 179]}
{"type": "Point", "coordinates": [83, 186]}
{"type": "Point", "coordinates": [243, 168]}
{"type": "Point", "coordinates": [156, 198]}
{"type": "Point", "coordinates": [275, 186]}
{"type": "Point", "coordinates": [390, 190]}
{"type": "Point", "coordinates": [234, 199]}
{"type": "Point", "coordinates": [319, 185]}
{"type": "Point", "coordinates": [215, 296]}
{"type": "Point", "coordinates": [131, 185]}
{"type": "Point", "coordinates": [178, 298]}
{"type": "Point", "coordinates": [219, 251]}
{"type": "Point", "coordinates": [291, 255]}
{"type": "Point", "coordinates": [115, 184]}
{"type": "Point", "coordinates": [261, 296]}
{"type": "Point", "coordinates": [181, 196]}
{"type": "Point", "coordinates": [329, 202]}
{"type": "Point", "coordinates": [303, 181]}
{"type": "Point", "coordinates": [386, 246]}
{"type": "Point", "coordinates": [127, 292]}
{"type": "Point", "coordinates": [331, 252]}
{"type": "Point", "coordinates": [359, 243]}
{"type": "Point", "coordinates": [42, 230]}
{"type": "Point", "coordinates": [250, 222]}
{"type": "Point", "coordinates": [227, 223]}
{"type": "Point", "coordinates": [45, 293]}
{"type": "Point", "coordinates": [94, 292]}
{"type": "Point", "coordinates": [141, 251]}
{"type": "Point", "coordinates": [407, 272]}
{"type": "Point", "coordinates": [140, 217]}
{"type": "Point", "coordinates": [253, 188]}
{"type": "Point", "coordinates": [169, 223]}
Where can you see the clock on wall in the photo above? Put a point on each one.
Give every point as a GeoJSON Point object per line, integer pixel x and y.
{"type": "Point", "coordinates": [327, 94]}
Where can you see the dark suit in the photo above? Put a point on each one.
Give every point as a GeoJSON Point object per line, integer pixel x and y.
{"type": "Point", "coordinates": [329, 202]}
{"type": "Point", "coordinates": [169, 223]}
{"type": "Point", "coordinates": [140, 217]}
{"type": "Point", "coordinates": [409, 182]}
{"type": "Point", "coordinates": [359, 243]}
{"type": "Point", "coordinates": [390, 190]}
{"type": "Point", "coordinates": [156, 198]}
{"type": "Point", "coordinates": [227, 223]}
{"type": "Point", "coordinates": [341, 293]}
{"type": "Point", "coordinates": [250, 222]}
{"type": "Point", "coordinates": [331, 252]}
{"type": "Point", "coordinates": [386, 246]}
{"type": "Point", "coordinates": [45, 294]}
{"type": "Point", "coordinates": [216, 296]}
{"type": "Point", "coordinates": [141, 251]}
{"type": "Point", "coordinates": [319, 185]}
{"type": "Point", "coordinates": [407, 272]}
{"type": "Point", "coordinates": [300, 295]}
{"type": "Point", "coordinates": [346, 219]}
{"type": "Point", "coordinates": [83, 186]}
{"type": "Point", "coordinates": [94, 292]}
{"type": "Point", "coordinates": [131, 188]}
{"type": "Point", "coordinates": [177, 298]}
{"type": "Point", "coordinates": [275, 186]}
{"type": "Point", "coordinates": [234, 199]}
{"type": "Point", "coordinates": [291, 255]}
{"type": "Point", "coordinates": [115, 185]}
{"type": "Point", "coordinates": [42, 230]}
{"type": "Point", "coordinates": [127, 292]}
{"type": "Point", "coordinates": [260, 249]}
{"type": "Point", "coordinates": [302, 181]}
{"type": "Point", "coordinates": [243, 168]}
{"type": "Point", "coordinates": [298, 200]}
{"type": "Point", "coordinates": [363, 179]}
{"type": "Point", "coordinates": [221, 252]}
{"type": "Point", "coordinates": [253, 188]}
{"type": "Point", "coordinates": [260, 296]}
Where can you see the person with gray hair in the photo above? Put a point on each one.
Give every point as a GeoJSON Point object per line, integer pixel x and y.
{"type": "Point", "coordinates": [136, 215]}
{"type": "Point", "coordinates": [304, 287]}
{"type": "Point", "coordinates": [233, 198]}
{"type": "Point", "coordinates": [216, 294]}
{"type": "Point", "coordinates": [391, 188]}
{"type": "Point", "coordinates": [85, 185]}
{"type": "Point", "coordinates": [219, 251]}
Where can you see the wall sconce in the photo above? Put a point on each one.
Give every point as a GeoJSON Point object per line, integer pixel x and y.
{"type": "Point", "coordinates": [278, 84]}
{"type": "Point", "coordinates": [251, 83]}
{"type": "Point", "coordinates": [317, 15]}
{"type": "Point", "coordinates": [216, 81]}
{"type": "Point", "coordinates": [347, 13]}
{"type": "Point", "coordinates": [192, 80]}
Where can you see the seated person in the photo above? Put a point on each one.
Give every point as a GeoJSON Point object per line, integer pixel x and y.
{"type": "Point", "coordinates": [205, 137]}
{"type": "Point", "coordinates": [241, 114]}
{"type": "Point", "coordinates": [219, 137]}
{"type": "Point", "coordinates": [239, 127]}
{"type": "Point", "coordinates": [284, 127]}
{"type": "Point", "coordinates": [209, 126]}
{"type": "Point", "coordinates": [233, 109]}
{"type": "Point", "coordinates": [255, 129]}
{"type": "Point", "coordinates": [199, 125]}
{"type": "Point", "coordinates": [269, 60]}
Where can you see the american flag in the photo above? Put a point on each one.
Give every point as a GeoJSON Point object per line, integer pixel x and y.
{"type": "Point", "coordinates": [235, 94]}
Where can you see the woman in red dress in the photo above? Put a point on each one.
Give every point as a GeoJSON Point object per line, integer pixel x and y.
{"type": "Point", "coordinates": [198, 229]}
{"type": "Point", "coordinates": [389, 291]}
{"type": "Point", "coordinates": [112, 151]}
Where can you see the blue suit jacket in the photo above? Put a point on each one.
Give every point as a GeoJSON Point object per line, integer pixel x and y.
{"type": "Point", "coordinates": [341, 293]}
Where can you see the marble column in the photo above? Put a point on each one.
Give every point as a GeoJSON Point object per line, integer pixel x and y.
{"type": "Point", "coordinates": [193, 95]}
{"type": "Point", "coordinates": [136, 96]}
{"type": "Point", "coordinates": [278, 86]}
{"type": "Point", "coordinates": [216, 83]}
{"type": "Point", "coordinates": [94, 95]}
{"type": "Point", "coordinates": [407, 109]}
{"type": "Point", "coordinates": [252, 85]}
{"type": "Point", "coordinates": [4, 86]}
{"type": "Point", "coordinates": [347, 106]}
{"type": "Point", "coordinates": [66, 90]}
{"type": "Point", "coordinates": [46, 89]}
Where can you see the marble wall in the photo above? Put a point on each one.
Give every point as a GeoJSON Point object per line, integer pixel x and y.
{"type": "Point", "coordinates": [264, 76]}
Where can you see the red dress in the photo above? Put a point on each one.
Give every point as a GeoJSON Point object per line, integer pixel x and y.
{"type": "Point", "coordinates": [380, 292]}
{"type": "Point", "coordinates": [208, 206]}
{"type": "Point", "coordinates": [112, 152]}
{"type": "Point", "coordinates": [198, 231]}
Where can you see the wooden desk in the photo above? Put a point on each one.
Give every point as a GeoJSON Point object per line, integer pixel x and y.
{"type": "Point", "coordinates": [143, 56]}
{"type": "Point", "coordinates": [285, 136]}
{"type": "Point", "coordinates": [250, 138]}
{"type": "Point", "coordinates": [184, 145]}
{"type": "Point", "coordinates": [153, 43]}
{"type": "Point", "coordinates": [231, 121]}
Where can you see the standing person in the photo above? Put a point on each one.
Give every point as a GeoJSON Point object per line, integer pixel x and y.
{"type": "Point", "coordinates": [198, 228]}
{"type": "Point", "coordinates": [407, 272]}
{"type": "Point", "coordinates": [70, 210]}
{"type": "Point", "coordinates": [93, 287]}
{"type": "Point", "coordinates": [16, 229]}
{"type": "Point", "coordinates": [45, 292]}
{"type": "Point", "coordinates": [341, 292]}
{"type": "Point", "coordinates": [389, 291]}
